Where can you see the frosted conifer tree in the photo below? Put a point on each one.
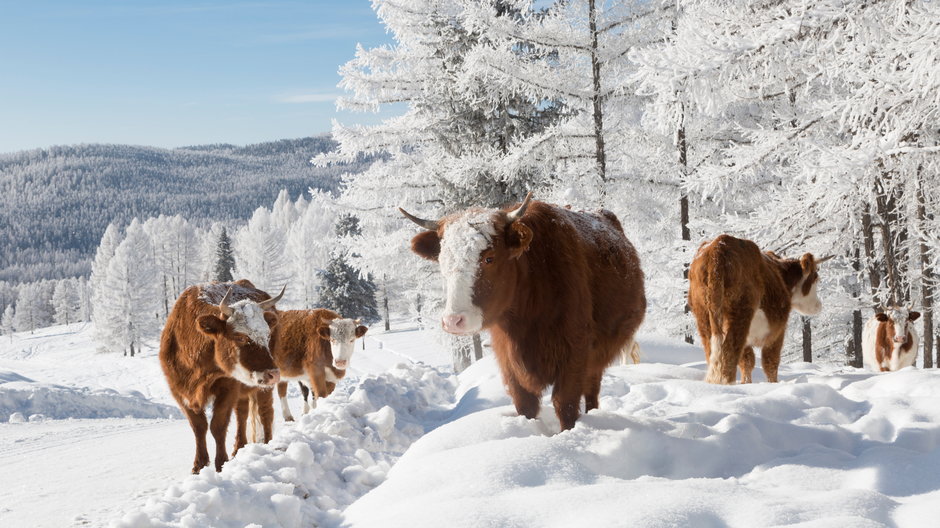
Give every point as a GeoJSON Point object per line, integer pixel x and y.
{"type": "Point", "coordinates": [309, 242]}
{"type": "Point", "coordinates": [33, 308]}
{"type": "Point", "coordinates": [224, 258]}
{"type": "Point", "coordinates": [65, 302]}
{"type": "Point", "coordinates": [176, 255]}
{"type": "Point", "coordinates": [259, 252]}
{"type": "Point", "coordinates": [130, 305]}
{"type": "Point", "coordinates": [99, 270]}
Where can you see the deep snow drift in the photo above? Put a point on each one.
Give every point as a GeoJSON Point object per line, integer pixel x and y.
{"type": "Point", "coordinates": [411, 445]}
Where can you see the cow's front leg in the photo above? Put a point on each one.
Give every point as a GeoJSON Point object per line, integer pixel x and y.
{"type": "Point", "coordinates": [241, 423]}
{"type": "Point", "coordinates": [199, 424]}
{"type": "Point", "coordinates": [265, 399]}
{"type": "Point", "coordinates": [221, 416]}
{"type": "Point", "coordinates": [566, 396]}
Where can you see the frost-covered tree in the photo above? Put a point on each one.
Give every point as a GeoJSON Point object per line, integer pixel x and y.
{"type": "Point", "coordinates": [347, 291]}
{"type": "Point", "coordinates": [6, 321]}
{"type": "Point", "coordinates": [130, 304]}
{"type": "Point", "coordinates": [33, 307]}
{"type": "Point", "coordinates": [260, 251]}
{"type": "Point", "coordinates": [175, 254]}
{"type": "Point", "coordinates": [99, 271]}
{"type": "Point", "coordinates": [310, 240]}
{"type": "Point", "coordinates": [344, 288]}
{"type": "Point", "coordinates": [217, 249]}
{"type": "Point", "coordinates": [66, 302]}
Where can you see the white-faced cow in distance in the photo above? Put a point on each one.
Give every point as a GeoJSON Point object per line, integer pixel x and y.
{"type": "Point", "coordinates": [313, 347]}
{"type": "Point", "coordinates": [560, 291]}
{"type": "Point", "coordinates": [889, 341]}
{"type": "Point", "coordinates": [214, 351]}
{"type": "Point", "coordinates": [741, 298]}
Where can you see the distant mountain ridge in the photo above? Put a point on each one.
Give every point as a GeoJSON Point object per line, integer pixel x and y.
{"type": "Point", "coordinates": [56, 202]}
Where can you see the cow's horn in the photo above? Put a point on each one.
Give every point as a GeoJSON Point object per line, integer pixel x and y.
{"type": "Point", "coordinates": [433, 225]}
{"type": "Point", "coordinates": [519, 211]}
{"type": "Point", "coordinates": [223, 305]}
{"type": "Point", "coordinates": [265, 305]}
{"type": "Point", "coordinates": [824, 259]}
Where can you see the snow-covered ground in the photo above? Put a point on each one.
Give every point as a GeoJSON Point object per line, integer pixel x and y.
{"type": "Point", "coordinates": [404, 443]}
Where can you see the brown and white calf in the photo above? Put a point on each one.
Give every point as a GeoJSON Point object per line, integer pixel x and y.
{"type": "Point", "coordinates": [560, 291]}
{"type": "Point", "coordinates": [214, 351]}
{"type": "Point", "coordinates": [889, 341]}
{"type": "Point", "coordinates": [741, 298]}
{"type": "Point", "coordinates": [313, 347]}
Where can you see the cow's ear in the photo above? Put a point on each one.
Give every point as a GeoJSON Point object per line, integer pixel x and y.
{"type": "Point", "coordinates": [913, 316]}
{"type": "Point", "coordinates": [882, 317]}
{"type": "Point", "coordinates": [324, 332]}
{"type": "Point", "coordinates": [427, 244]}
{"type": "Point", "coordinates": [361, 331]}
{"type": "Point", "coordinates": [270, 318]}
{"type": "Point", "coordinates": [518, 239]}
{"type": "Point", "coordinates": [210, 324]}
{"type": "Point", "coordinates": [808, 263]}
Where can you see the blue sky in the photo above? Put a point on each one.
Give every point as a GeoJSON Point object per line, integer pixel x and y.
{"type": "Point", "coordinates": [174, 73]}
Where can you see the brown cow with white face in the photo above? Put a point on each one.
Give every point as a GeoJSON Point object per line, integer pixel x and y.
{"type": "Point", "coordinates": [313, 347]}
{"type": "Point", "coordinates": [889, 341]}
{"type": "Point", "coordinates": [560, 291]}
{"type": "Point", "coordinates": [214, 351]}
{"type": "Point", "coordinates": [741, 298]}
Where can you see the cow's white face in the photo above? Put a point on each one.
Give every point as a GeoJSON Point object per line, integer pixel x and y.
{"type": "Point", "coordinates": [901, 319]}
{"type": "Point", "coordinates": [248, 319]}
{"type": "Point", "coordinates": [465, 238]}
{"type": "Point", "coordinates": [343, 334]}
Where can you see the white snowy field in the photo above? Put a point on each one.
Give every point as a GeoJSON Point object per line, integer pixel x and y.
{"type": "Point", "coordinates": [405, 443]}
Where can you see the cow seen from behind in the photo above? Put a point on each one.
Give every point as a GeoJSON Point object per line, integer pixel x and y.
{"type": "Point", "coordinates": [214, 351]}
{"type": "Point", "coordinates": [741, 298]}
{"type": "Point", "coordinates": [889, 341]}
{"type": "Point", "coordinates": [313, 347]}
{"type": "Point", "coordinates": [560, 291]}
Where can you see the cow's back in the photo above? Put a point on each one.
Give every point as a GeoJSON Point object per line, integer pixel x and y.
{"type": "Point", "coordinates": [728, 273]}
{"type": "Point", "coordinates": [585, 273]}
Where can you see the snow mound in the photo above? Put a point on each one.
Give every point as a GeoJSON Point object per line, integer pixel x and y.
{"type": "Point", "coordinates": [20, 396]}
{"type": "Point", "coordinates": [665, 449]}
{"type": "Point", "coordinates": [313, 468]}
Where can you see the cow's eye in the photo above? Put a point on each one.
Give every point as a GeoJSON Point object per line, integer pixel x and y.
{"type": "Point", "coordinates": [488, 260]}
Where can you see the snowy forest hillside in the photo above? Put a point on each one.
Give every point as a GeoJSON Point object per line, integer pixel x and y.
{"type": "Point", "coordinates": [55, 203]}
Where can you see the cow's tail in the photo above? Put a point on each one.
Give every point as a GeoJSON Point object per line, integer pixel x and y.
{"type": "Point", "coordinates": [715, 301]}
{"type": "Point", "coordinates": [255, 427]}
{"type": "Point", "coordinates": [630, 351]}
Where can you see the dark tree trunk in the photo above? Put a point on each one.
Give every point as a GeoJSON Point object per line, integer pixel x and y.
{"type": "Point", "coordinates": [477, 347]}
{"type": "Point", "coordinates": [388, 324]}
{"type": "Point", "coordinates": [596, 100]}
{"type": "Point", "coordinates": [926, 276]}
{"type": "Point", "coordinates": [807, 340]}
{"type": "Point", "coordinates": [856, 360]}
{"type": "Point", "coordinates": [887, 207]}
{"type": "Point", "coordinates": [874, 273]}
